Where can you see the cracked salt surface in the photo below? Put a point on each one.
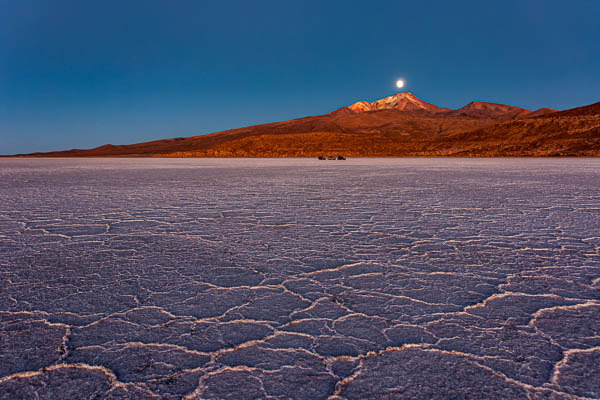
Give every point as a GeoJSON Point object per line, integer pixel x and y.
{"type": "Point", "coordinates": [277, 279]}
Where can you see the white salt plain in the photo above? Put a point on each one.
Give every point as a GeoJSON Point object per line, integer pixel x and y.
{"type": "Point", "coordinates": [295, 278]}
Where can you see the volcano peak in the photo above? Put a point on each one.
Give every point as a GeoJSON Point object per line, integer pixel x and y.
{"type": "Point", "coordinates": [403, 101]}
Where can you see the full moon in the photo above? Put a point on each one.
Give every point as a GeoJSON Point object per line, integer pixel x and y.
{"type": "Point", "coordinates": [400, 83]}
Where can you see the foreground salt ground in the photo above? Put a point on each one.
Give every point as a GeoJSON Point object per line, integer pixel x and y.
{"type": "Point", "coordinates": [302, 279]}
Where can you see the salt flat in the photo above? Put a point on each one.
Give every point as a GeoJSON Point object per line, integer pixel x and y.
{"type": "Point", "coordinates": [295, 278]}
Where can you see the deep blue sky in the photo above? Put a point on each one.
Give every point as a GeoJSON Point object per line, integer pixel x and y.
{"type": "Point", "coordinates": [77, 73]}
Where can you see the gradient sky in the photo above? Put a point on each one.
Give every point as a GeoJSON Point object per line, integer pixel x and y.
{"type": "Point", "coordinates": [79, 74]}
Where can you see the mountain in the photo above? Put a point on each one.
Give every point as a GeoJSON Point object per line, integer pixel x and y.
{"type": "Point", "coordinates": [404, 101]}
{"type": "Point", "coordinates": [483, 109]}
{"type": "Point", "coordinates": [574, 132]}
{"type": "Point", "coordinates": [592, 109]}
{"type": "Point", "coordinates": [399, 125]}
{"type": "Point", "coordinates": [539, 112]}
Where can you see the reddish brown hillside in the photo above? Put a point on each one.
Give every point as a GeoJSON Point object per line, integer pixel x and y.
{"type": "Point", "coordinates": [540, 112]}
{"type": "Point", "coordinates": [592, 109]}
{"type": "Point", "coordinates": [478, 129]}
{"type": "Point", "coordinates": [482, 109]}
{"type": "Point", "coordinates": [390, 122]}
{"type": "Point", "coordinates": [573, 132]}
